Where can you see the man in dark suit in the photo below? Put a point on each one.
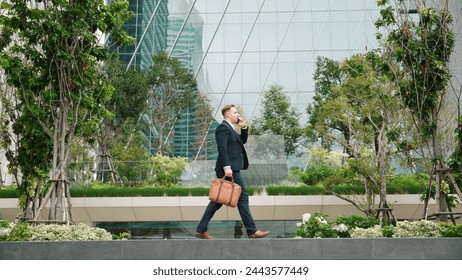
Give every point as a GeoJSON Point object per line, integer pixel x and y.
{"type": "Point", "coordinates": [231, 159]}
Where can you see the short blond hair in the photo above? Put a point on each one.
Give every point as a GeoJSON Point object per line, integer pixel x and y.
{"type": "Point", "coordinates": [226, 108]}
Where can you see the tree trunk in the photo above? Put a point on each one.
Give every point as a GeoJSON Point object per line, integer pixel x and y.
{"type": "Point", "coordinates": [58, 193]}
{"type": "Point", "coordinates": [347, 147]}
{"type": "Point", "coordinates": [31, 207]}
{"type": "Point", "coordinates": [440, 196]}
{"type": "Point", "coordinates": [369, 196]}
{"type": "Point", "coordinates": [383, 211]}
{"type": "Point", "coordinates": [160, 147]}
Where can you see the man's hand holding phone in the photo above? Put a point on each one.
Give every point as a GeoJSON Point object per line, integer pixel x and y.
{"type": "Point", "coordinates": [241, 122]}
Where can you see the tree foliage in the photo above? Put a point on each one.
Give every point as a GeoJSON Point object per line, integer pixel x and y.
{"type": "Point", "coordinates": [130, 157]}
{"type": "Point", "coordinates": [279, 117]}
{"type": "Point", "coordinates": [171, 89]}
{"type": "Point", "coordinates": [326, 76]}
{"type": "Point", "coordinates": [51, 53]}
{"type": "Point", "coordinates": [28, 148]}
{"type": "Point", "coordinates": [422, 46]}
{"type": "Point", "coordinates": [355, 109]}
{"type": "Point", "coordinates": [126, 105]}
{"type": "Point", "coordinates": [203, 118]}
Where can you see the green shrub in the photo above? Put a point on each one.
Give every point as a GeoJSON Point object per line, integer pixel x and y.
{"type": "Point", "coordinates": [388, 230]}
{"type": "Point", "coordinates": [305, 190]}
{"type": "Point", "coordinates": [167, 170]}
{"type": "Point", "coordinates": [295, 174]}
{"type": "Point", "coordinates": [316, 174]}
{"type": "Point", "coordinates": [339, 177]}
{"type": "Point", "coordinates": [19, 232]}
{"type": "Point", "coordinates": [98, 189]}
{"type": "Point", "coordinates": [177, 192]}
{"type": "Point", "coordinates": [251, 190]}
{"type": "Point", "coordinates": [131, 160]}
{"type": "Point", "coordinates": [113, 191]}
{"type": "Point", "coordinates": [450, 230]}
{"type": "Point", "coordinates": [121, 236]}
{"type": "Point", "coordinates": [9, 192]}
{"type": "Point", "coordinates": [347, 189]}
{"type": "Point", "coordinates": [353, 222]}
{"type": "Point", "coordinates": [406, 183]}
{"type": "Point", "coordinates": [199, 191]}
{"type": "Point", "coordinates": [129, 184]}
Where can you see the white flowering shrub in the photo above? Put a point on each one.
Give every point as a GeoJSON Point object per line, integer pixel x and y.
{"type": "Point", "coordinates": [373, 232]}
{"type": "Point", "coordinates": [5, 229]}
{"type": "Point", "coordinates": [417, 229]}
{"type": "Point", "coordinates": [354, 226]}
{"type": "Point", "coordinates": [54, 232]}
{"type": "Point", "coordinates": [344, 224]}
{"type": "Point", "coordinates": [315, 226]}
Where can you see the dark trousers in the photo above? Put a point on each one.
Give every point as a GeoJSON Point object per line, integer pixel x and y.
{"type": "Point", "coordinates": [242, 206]}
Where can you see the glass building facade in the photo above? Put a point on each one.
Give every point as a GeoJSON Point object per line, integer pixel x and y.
{"type": "Point", "coordinates": [237, 49]}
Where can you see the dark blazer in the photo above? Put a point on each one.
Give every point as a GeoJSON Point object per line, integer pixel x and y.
{"type": "Point", "coordinates": [230, 145]}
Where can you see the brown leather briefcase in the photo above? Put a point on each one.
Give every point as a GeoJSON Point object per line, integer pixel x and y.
{"type": "Point", "coordinates": [225, 192]}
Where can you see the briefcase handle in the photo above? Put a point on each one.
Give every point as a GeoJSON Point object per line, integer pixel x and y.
{"type": "Point", "coordinates": [232, 178]}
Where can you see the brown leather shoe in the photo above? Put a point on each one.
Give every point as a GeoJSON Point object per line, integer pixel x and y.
{"type": "Point", "coordinates": [259, 234]}
{"type": "Point", "coordinates": [204, 235]}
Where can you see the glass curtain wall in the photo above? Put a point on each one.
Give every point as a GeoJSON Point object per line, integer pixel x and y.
{"type": "Point", "coordinates": [261, 43]}
{"type": "Point", "coordinates": [237, 49]}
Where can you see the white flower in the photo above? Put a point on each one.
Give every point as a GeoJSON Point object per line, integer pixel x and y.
{"type": "Point", "coordinates": [299, 224]}
{"type": "Point", "coordinates": [341, 228]}
{"type": "Point", "coordinates": [374, 232]}
{"type": "Point", "coordinates": [4, 231]}
{"type": "Point", "coordinates": [68, 232]}
{"type": "Point", "coordinates": [416, 229]}
{"type": "Point", "coordinates": [306, 217]}
{"type": "Point", "coordinates": [321, 220]}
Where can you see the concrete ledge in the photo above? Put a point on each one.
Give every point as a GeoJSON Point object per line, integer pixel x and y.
{"type": "Point", "coordinates": [264, 208]}
{"type": "Point", "coordinates": [263, 249]}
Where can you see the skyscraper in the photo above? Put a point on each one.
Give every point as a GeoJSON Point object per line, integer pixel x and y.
{"type": "Point", "coordinates": [149, 28]}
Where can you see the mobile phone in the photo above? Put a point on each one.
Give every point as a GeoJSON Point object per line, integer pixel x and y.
{"type": "Point", "coordinates": [238, 119]}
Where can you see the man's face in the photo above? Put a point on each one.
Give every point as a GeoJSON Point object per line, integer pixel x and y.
{"type": "Point", "coordinates": [233, 115]}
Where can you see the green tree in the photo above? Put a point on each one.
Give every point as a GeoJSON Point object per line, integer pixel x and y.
{"type": "Point", "coordinates": [327, 75]}
{"type": "Point", "coordinates": [28, 150]}
{"type": "Point", "coordinates": [343, 103]}
{"type": "Point", "coordinates": [51, 54]}
{"type": "Point", "coordinates": [279, 117]}
{"type": "Point", "coordinates": [203, 118]}
{"type": "Point", "coordinates": [171, 89]}
{"type": "Point", "coordinates": [127, 103]}
{"type": "Point", "coordinates": [358, 114]}
{"type": "Point", "coordinates": [131, 159]}
{"type": "Point", "coordinates": [422, 46]}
